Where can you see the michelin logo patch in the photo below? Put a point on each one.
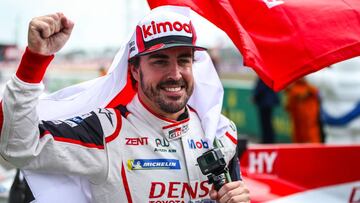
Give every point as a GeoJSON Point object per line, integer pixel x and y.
{"type": "Point", "coordinates": [153, 164]}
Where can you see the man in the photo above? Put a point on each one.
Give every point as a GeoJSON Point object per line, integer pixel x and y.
{"type": "Point", "coordinates": [303, 106]}
{"type": "Point", "coordinates": [266, 100]}
{"type": "Point", "coordinates": [143, 152]}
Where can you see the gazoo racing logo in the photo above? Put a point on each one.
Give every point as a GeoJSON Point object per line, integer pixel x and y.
{"type": "Point", "coordinates": [174, 133]}
{"type": "Point", "coordinates": [200, 144]}
{"type": "Point", "coordinates": [163, 27]}
{"type": "Point", "coordinates": [177, 132]}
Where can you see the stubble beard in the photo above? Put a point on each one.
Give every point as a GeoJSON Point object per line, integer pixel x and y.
{"type": "Point", "coordinates": [166, 104]}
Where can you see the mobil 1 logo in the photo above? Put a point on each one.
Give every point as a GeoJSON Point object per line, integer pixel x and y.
{"type": "Point", "coordinates": [198, 144]}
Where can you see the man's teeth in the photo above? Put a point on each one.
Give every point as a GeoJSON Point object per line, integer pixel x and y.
{"type": "Point", "coordinates": [172, 89]}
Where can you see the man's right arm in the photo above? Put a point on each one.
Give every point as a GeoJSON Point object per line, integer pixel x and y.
{"type": "Point", "coordinates": [73, 146]}
{"type": "Point", "coordinates": [46, 35]}
{"type": "Point", "coordinates": [24, 142]}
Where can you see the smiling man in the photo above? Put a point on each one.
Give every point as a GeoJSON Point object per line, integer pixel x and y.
{"type": "Point", "coordinates": [144, 151]}
{"type": "Point", "coordinates": [166, 80]}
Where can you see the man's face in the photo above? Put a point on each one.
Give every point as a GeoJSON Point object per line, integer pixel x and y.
{"type": "Point", "coordinates": [165, 80]}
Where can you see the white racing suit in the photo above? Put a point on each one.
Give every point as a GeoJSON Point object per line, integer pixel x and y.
{"type": "Point", "coordinates": [128, 154]}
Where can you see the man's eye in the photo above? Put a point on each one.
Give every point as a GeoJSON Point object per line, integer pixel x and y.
{"type": "Point", "coordinates": [184, 61]}
{"type": "Point", "coordinates": [160, 62]}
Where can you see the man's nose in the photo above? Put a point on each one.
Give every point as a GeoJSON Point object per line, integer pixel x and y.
{"type": "Point", "coordinates": [174, 71]}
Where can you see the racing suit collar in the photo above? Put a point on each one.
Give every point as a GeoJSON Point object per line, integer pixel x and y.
{"type": "Point", "coordinates": [170, 129]}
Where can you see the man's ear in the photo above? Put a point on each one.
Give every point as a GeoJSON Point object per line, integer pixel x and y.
{"type": "Point", "coordinates": [135, 72]}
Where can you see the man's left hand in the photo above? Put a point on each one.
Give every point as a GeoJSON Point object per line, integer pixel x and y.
{"type": "Point", "coordinates": [231, 193]}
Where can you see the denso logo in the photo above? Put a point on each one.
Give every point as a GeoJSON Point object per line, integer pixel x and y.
{"type": "Point", "coordinates": [136, 141]}
{"type": "Point", "coordinates": [198, 144]}
{"type": "Point", "coordinates": [178, 190]}
{"type": "Point", "coordinates": [157, 28]}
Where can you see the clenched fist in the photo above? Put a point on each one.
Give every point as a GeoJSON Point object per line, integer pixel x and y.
{"type": "Point", "coordinates": [48, 34]}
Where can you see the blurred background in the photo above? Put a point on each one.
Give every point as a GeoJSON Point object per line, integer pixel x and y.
{"type": "Point", "coordinates": [260, 115]}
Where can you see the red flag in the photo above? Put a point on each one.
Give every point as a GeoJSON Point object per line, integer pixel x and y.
{"type": "Point", "coordinates": [283, 40]}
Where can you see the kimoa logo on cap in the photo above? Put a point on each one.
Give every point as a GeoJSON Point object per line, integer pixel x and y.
{"type": "Point", "coordinates": [161, 27]}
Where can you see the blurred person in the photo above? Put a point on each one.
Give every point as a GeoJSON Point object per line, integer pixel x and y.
{"type": "Point", "coordinates": [339, 88]}
{"type": "Point", "coordinates": [302, 103]}
{"type": "Point", "coordinates": [102, 71]}
{"type": "Point", "coordinates": [131, 152]}
{"type": "Point", "coordinates": [266, 100]}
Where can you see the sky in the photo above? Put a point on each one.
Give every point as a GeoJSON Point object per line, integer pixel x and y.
{"type": "Point", "coordinates": [98, 24]}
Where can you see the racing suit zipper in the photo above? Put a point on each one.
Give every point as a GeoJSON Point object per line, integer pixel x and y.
{"type": "Point", "coordinates": [186, 162]}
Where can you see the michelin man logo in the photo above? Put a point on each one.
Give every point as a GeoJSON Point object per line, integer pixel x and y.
{"type": "Point", "coordinates": [137, 165]}
{"type": "Point", "coordinates": [272, 3]}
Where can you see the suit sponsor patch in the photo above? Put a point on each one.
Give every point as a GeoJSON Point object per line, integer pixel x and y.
{"type": "Point", "coordinates": [153, 164]}
{"type": "Point", "coordinates": [164, 150]}
{"type": "Point", "coordinates": [198, 144]}
{"type": "Point", "coordinates": [177, 191]}
{"type": "Point", "coordinates": [70, 123]}
{"type": "Point", "coordinates": [136, 141]}
{"type": "Point", "coordinates": [56, 122]}
{"type": "Point", "coordinates": [108, 114]}
{"type": "Point", "coordinates": [162, 145]}
{"type": "Point", "coordinates": [176, 132]}
{"type": "Point", "coordinates": [76, 119]}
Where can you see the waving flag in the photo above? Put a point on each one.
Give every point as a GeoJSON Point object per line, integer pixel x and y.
{"type": "Point", "coordinates": [283, 40]}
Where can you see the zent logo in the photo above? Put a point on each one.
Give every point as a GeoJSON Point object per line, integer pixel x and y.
{"type": "Point", "coordinates": [136, 141]}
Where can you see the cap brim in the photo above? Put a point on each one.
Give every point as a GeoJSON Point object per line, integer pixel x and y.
{"type": "Point", "coordinates": [167, 46]}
